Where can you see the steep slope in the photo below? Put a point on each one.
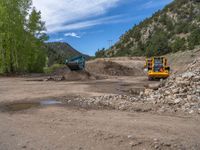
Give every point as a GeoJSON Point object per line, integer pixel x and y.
{"type": "Point", "coordinates": [58, 52]}
{"type": "Point", "coordinates": [175, 28]}
{"type": "Point", "coordinates": [179, 61]}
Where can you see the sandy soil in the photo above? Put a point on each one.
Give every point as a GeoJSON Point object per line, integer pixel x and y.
{"type": "Point", "coordinates": [57, 127]}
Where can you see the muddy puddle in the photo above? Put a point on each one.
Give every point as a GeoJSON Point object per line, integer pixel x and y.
{"type": "Point", "coordinates": [20, 106]}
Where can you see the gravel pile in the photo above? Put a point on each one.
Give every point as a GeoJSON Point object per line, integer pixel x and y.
{"type": "Point", "coordinates": [118, 102]}
{"type": "Point", "coordinates": [178, 93]}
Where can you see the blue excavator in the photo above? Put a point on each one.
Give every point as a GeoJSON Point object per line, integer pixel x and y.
{"type": "Point", "coordinates": [76, 63]}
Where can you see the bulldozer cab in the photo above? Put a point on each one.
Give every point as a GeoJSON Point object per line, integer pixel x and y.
{"type": "Point", "coordinates": [158, 64]}
{"type": "Point", "coordinates": [157, 67]}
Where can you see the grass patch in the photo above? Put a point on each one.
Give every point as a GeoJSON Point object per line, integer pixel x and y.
{"type": "Point", "coordinates": [51, 69]}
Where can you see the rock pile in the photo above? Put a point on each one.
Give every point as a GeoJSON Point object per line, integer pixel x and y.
{"type": "Point", "coordinates": [118, 102]}
{"type": "Point", "coordinates": [178, 93]}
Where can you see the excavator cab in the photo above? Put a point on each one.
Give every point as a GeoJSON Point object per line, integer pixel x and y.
{"type": "Point", "coordinates": [157, 68]}
{"type": "Point", "coordinates": [76, 63]}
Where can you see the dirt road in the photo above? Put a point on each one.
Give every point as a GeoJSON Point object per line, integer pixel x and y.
{"type": "Point", "coordinates": [74, 129]}
{"type": "Point", "coordinates": [63, 127]}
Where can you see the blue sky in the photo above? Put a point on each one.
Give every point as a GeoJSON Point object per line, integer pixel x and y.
{"type": "Point", "coordinates": [89, 25]}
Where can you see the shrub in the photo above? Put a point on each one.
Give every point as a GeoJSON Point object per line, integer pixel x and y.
{"type": "Point", "coordinates": [179, 44]}
{"type": "Point", "coordinates": [194, 39]}
{"type": "Point", "coordinates": [51, 69]}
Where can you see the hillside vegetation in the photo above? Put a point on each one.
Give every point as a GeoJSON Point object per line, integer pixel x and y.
{"type": "Point", "coordinates": [58, 52]}
{"type": "Point", "coordinates": [21, 37]}
{"type": "Point", "coordinates": [175, 28]}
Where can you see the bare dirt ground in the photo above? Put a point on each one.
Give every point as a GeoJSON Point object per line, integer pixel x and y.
{"type": "Point", "coordinates": [17, 89]}
{"type": "Point", "coordinates": [74, 129]}
{"type": "Point", "coordinates": [65, 127]}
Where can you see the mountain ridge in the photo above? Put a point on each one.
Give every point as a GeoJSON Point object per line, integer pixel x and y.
{"type": "Point", "coordinates": [58, 52]}
{"type": "Point", "coordinates": [174, 28]}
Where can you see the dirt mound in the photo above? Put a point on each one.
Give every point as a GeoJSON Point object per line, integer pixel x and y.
{"type": "Point", "coordinates": [61, 71]}
{"type": "Point", "coordinates": [64, 73]}
{"type": "Point", "coordinates": [112, 69]}
{"type": "Point", "coordinates": [78, 75]}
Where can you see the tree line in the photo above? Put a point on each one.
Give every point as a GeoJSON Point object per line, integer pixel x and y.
{"type": "Point", "coordinates": [22, 37]}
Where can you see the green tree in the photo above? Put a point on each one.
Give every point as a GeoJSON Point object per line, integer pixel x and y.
{"type": "Point", "coordinates": [194, 38]}
{"type": "Point", "coordinates": [158, 44]}
{"type": "Point", "coordinates": [179, 44]}
{"type": "Point", "coordinates": [124, 52]}
{"type": "Point", "coordinates": [36, 28]}
{"type": "Point", "coordinates": [100, 53]}
{"type": "Point", "coordinates": [182, 27]}
{"type": "Point", "coordinates": [21, 39]}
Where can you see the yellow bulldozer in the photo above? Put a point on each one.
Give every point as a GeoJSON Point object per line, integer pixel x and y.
{"type": "Point", "coordinates": [157, 68]}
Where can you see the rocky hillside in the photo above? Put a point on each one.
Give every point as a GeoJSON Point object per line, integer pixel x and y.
{"type": "Point", "coordinates": [58, 52]}
{"type": "Point", "coordinates": [175, 28]}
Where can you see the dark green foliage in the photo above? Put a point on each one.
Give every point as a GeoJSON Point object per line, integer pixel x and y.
{"type": "Point", "coordinates": [21, 37]}
{"type": "Point", "coordinates": [100, 53]}
{"type": "Point", "coordinates": [179, 44]}
{"type": "Point", "coordinates": [53, 68]}
{"type": "Point", "coordinates": [194, 38]}
{"type": "Point", "coordinates": [182, 27]}
{"type": "Point", "coordinates": [124, 52]}
{"type": "Point", "coordinates": [158, 44]}
{"type": "Point", "coordinates": [166, 21]}
{"type": "Point", "coordinates": [138, 52]}
{"type": "Point", "coordinates": [137, 34]}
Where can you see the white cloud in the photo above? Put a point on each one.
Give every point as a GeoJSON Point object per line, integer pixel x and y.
{"type": "Point", "coordinates": [86, 24]}
{"type": "Point", "coordinates": [58, 13]}
{"type": "Point", "coordinates": [72, 34]}
{"type": "Point", "coordinates": [148, 4]}
{"type": "Point", "coordinates": [56, 40]}
{"type": "Point", "coordinates": [155, 3]}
